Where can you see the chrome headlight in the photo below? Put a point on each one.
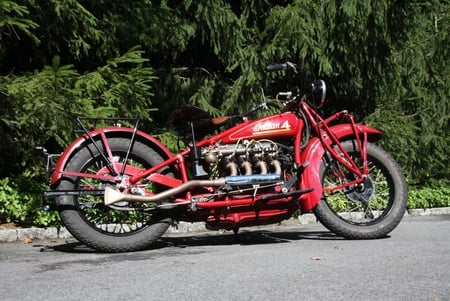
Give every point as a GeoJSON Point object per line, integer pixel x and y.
{"type": "Point", "coordinates": [316, 93]}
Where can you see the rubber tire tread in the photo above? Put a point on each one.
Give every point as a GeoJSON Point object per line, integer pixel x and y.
{"type": "Point", "coordinates": [84, 232]}
{"type": "Point", "coordinates": [387, 223]}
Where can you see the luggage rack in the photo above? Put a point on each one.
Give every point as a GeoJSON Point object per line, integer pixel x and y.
{"type": "Point", "coordinates": [115, 121]}
{"type": "Point", "coordinates": [40, 151]}
{"type": "Point", "coordinates": [86, 131]}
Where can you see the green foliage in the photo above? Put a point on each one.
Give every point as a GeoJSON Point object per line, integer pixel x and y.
{"type": "Point", "coordinates": [162, 31]}
{"type": "Point", "coordinates": [171, 141]}
{"type": "Point", "coordinates": [14, 21]}
{"type": "Point", "coordinates": [415, 117]}
{"type": "Point", "coordinates": [41, 107]}
{"type": "Point", "coordinates": [120, 88]}
{"type": "Point", "coordinates": [20, 204]}
{"type": "Point", "coordinates": [221, 28]}
{"type": "Point", "coordinates": [429, 197]}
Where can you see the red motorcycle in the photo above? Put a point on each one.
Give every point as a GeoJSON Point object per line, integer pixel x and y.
{"type": "Point", "coordinates": [118, 189]}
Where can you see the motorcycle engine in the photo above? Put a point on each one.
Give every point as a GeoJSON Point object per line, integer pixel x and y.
{"type": "Point", "coordinates": [246, 158]}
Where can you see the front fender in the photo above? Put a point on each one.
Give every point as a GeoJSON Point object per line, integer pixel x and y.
{"type": "Point", "coordinates": [313, 154]}
{"type": "Point", "coordinates": [108, 132]}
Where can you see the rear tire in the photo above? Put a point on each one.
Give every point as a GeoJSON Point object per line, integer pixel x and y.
{"type": "Point", "coordinates": [133, 226]}
{"type": "Point", "coordinates": [367, 211]}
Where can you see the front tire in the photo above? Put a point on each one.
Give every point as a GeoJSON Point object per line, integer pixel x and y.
{"type": "Point", "coordinates": [124, 228]}
{"type": "Point", "coordinates": [366, 211]}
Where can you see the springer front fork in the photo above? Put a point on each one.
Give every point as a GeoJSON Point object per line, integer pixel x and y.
{"type": "Point", "coordinates": [336, 153]}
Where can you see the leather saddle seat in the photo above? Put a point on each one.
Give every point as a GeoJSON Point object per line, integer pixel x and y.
{"type": "Point", "coordinates": [202, 122]}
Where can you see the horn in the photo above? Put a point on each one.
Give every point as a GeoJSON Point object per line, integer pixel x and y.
{"type": "Point", "coordinates": [113, 196]}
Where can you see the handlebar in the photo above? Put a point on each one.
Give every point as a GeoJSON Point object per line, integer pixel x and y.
{"type": "Point", "coordinates": [283, 66]}
{"type": "Point", "coordinates": [288, 97]}
{"type": "Point", "coordinates": [276, 67]}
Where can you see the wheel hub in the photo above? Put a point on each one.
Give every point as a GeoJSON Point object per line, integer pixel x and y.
{"type": "Point", "coordinates": [362, 192]}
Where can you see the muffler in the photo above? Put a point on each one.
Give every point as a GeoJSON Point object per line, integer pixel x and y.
{"type": "Point", "coordinates": [113, 196]}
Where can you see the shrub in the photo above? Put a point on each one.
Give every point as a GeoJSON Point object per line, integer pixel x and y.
{"type": "Point", "coordinates": [20, 204]}
{"type": "Point", "coordinates": [429, 197]}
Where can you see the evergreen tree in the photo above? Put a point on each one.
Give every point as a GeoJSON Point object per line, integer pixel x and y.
{"type": "Point", "coordinates": [415, 113]}
{"type": "Point", "coordinates": [387, 60]}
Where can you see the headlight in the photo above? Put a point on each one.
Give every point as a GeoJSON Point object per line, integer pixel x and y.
{"type": "Point", "coordinates": [316, 93]}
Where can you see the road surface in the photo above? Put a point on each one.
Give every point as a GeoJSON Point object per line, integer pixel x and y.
{"type": "Point", "coordinates": [267, 263]}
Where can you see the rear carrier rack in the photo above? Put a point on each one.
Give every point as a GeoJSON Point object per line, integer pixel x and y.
{"type": "Point", "coordinates": [95, 122]}
{"type": "Point", "coordinates": [85, 128]}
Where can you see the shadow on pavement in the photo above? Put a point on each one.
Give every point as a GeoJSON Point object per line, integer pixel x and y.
{"type": "Point", "coordinates": [250, 237]}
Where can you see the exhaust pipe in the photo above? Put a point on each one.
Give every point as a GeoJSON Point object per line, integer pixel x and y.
{"type": "Point", "coordinates": [113, 196]}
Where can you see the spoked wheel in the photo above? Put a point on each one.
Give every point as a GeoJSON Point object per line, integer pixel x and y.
{"type": "Point", "coordinates": [370, 209]}
{"type": "Point", "coordinates": [123, 226]}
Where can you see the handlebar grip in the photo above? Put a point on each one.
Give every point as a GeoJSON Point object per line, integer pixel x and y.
{"type": "Point", "coordinates": [277, 67]}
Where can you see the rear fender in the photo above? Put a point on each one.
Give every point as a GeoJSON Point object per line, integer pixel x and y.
{"type": "Point", "coordinates": [109, 132]}
{"type": "Point", "coordinates": [313, 154]}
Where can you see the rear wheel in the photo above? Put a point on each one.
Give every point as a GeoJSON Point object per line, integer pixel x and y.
{"type": "Point", "coordinates": [122, 227]}
{"type": "Point", "coordinates": [367, 210]}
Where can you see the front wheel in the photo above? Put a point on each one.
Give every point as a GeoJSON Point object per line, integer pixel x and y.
{"type": "Point", "coordinates": [367, 210]}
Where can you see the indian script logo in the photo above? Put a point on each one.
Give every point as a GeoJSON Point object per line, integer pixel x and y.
{"type": "Point", "coordinates": [269, 126]}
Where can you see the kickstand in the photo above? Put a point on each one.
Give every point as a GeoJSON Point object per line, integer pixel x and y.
{"type": "Point", "coordinates": [236, 234]}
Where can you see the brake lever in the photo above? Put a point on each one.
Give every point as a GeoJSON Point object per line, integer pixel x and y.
{"type": "Point", "coordinates": [292, 66]}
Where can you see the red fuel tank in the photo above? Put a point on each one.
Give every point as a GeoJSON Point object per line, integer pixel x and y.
{"type": "Point", "coordinates": [281, 125]}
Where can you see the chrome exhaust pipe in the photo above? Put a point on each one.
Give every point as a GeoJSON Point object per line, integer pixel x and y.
{"type": "Point", "coordinates": [113, 196]}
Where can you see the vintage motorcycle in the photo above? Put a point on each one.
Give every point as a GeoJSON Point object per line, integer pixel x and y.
{"type": "Point", "coordinates": [118, 189]}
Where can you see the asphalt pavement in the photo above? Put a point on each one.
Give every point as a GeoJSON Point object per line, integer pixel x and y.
{"type": "Point", "coordinates": [275, 262]}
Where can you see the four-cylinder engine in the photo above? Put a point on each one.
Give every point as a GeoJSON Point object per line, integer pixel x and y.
{"type": "Point", "coordinates": [243, 158]}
